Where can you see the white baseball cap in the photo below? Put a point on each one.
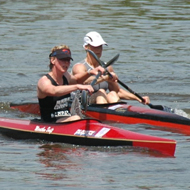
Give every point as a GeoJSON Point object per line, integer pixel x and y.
{"type": "Point", "coordinates": [94, 39]}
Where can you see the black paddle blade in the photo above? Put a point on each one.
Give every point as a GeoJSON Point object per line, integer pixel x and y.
{"type": "Point", "coordinates": [84, 100]}
{"type": "Point", "coordinates": [162, 108]}
{"type": "Point", "coordinates": [110, 62]}
{"type": "Point", "coordinates": [94, 55]}
{"type": "Point", "coordinates": [167, 109]}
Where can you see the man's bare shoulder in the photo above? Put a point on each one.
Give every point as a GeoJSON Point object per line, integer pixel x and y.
{"type": "Point", "coordinates": [79, 63]}
{"type": "Point", "coordinates": [44, 82]}
{"type": "Point", "coordinates": [78, 67]}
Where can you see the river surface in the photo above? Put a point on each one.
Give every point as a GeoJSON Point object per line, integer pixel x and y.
{"type": "Point", "coordinates": [152, 37]}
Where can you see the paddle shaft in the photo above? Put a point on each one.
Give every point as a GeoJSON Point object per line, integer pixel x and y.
{"type": "Point", "coordinates": [126, 87]}
{"type": "Point", "coordinates": [96, 78]}
{"type": "Point", "coordinates": [158, 107]}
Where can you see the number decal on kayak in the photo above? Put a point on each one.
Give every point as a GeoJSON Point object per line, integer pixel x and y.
{"type": "Point", "coordinates": [81, 132]}
{"type": "Point", "coordinates": [91, 133]}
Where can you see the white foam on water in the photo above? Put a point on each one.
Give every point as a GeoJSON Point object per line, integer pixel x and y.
{"type": "Point", "coordinates": [181, 113]}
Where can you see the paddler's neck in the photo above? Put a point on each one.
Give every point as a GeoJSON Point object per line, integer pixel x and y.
{"type": "Point", "coordinates": [57, 77]}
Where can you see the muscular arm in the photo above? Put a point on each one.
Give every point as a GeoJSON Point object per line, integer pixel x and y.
{"type": "Point", "coordinates": [45, 88]}
{"type": "Point", "coordinates": [70, 78]}
{"type": "Point", "coordinates": [80, 73]}
{"type": "Point", "coordinates": [82, 76]}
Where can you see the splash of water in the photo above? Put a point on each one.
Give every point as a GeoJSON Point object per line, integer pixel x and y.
{"type": "Point", "coordinates": [181, 113]}
{"type": "Point", "coordinates": [176, 111]}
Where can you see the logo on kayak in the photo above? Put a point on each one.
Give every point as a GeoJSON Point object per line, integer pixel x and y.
{"type": "Point", "coordinates": [81, 132]}
{"type": "Point", "coordinates": [91, 133]}
{"type": "Point", "coordinates": [44, 129]}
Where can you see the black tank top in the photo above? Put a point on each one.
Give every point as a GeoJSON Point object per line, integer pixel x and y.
{"type": "Point", "coordinates": [54, 107]}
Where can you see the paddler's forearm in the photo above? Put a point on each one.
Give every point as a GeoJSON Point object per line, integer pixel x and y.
{"type": "Point", "coordinates": [99, 80]}
{"type": "Point", "coordinates": [123, 94]}
{"type": "Point", "coordinates": [65, 89]}
{"type": "Point", "coordinates": [81, 77]}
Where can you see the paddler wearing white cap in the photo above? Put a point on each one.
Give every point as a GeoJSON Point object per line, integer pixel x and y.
{"type": "Point", "coordinates": [107, 89]}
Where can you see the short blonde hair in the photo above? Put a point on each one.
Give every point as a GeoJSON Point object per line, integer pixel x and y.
{"type": "Point", "coordinates": [54, 49]}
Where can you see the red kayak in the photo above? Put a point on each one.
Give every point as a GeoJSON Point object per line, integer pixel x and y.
{"type": "Point", "coordinates": [124, 113]}
{"type": "Point", "coordinates": [88, 132]}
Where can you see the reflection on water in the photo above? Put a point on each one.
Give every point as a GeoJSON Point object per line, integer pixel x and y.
{"type": "Point", "coordinates": [68, 157]}
{"type": "Point", "coordinates": [56, 157]}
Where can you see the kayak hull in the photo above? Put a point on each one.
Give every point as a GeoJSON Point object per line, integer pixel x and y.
{"type": "Point", "coordinates": [88, 132]}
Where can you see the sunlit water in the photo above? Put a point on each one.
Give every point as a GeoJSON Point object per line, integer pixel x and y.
{"type": "Point", "coordinates": [152, 38]}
